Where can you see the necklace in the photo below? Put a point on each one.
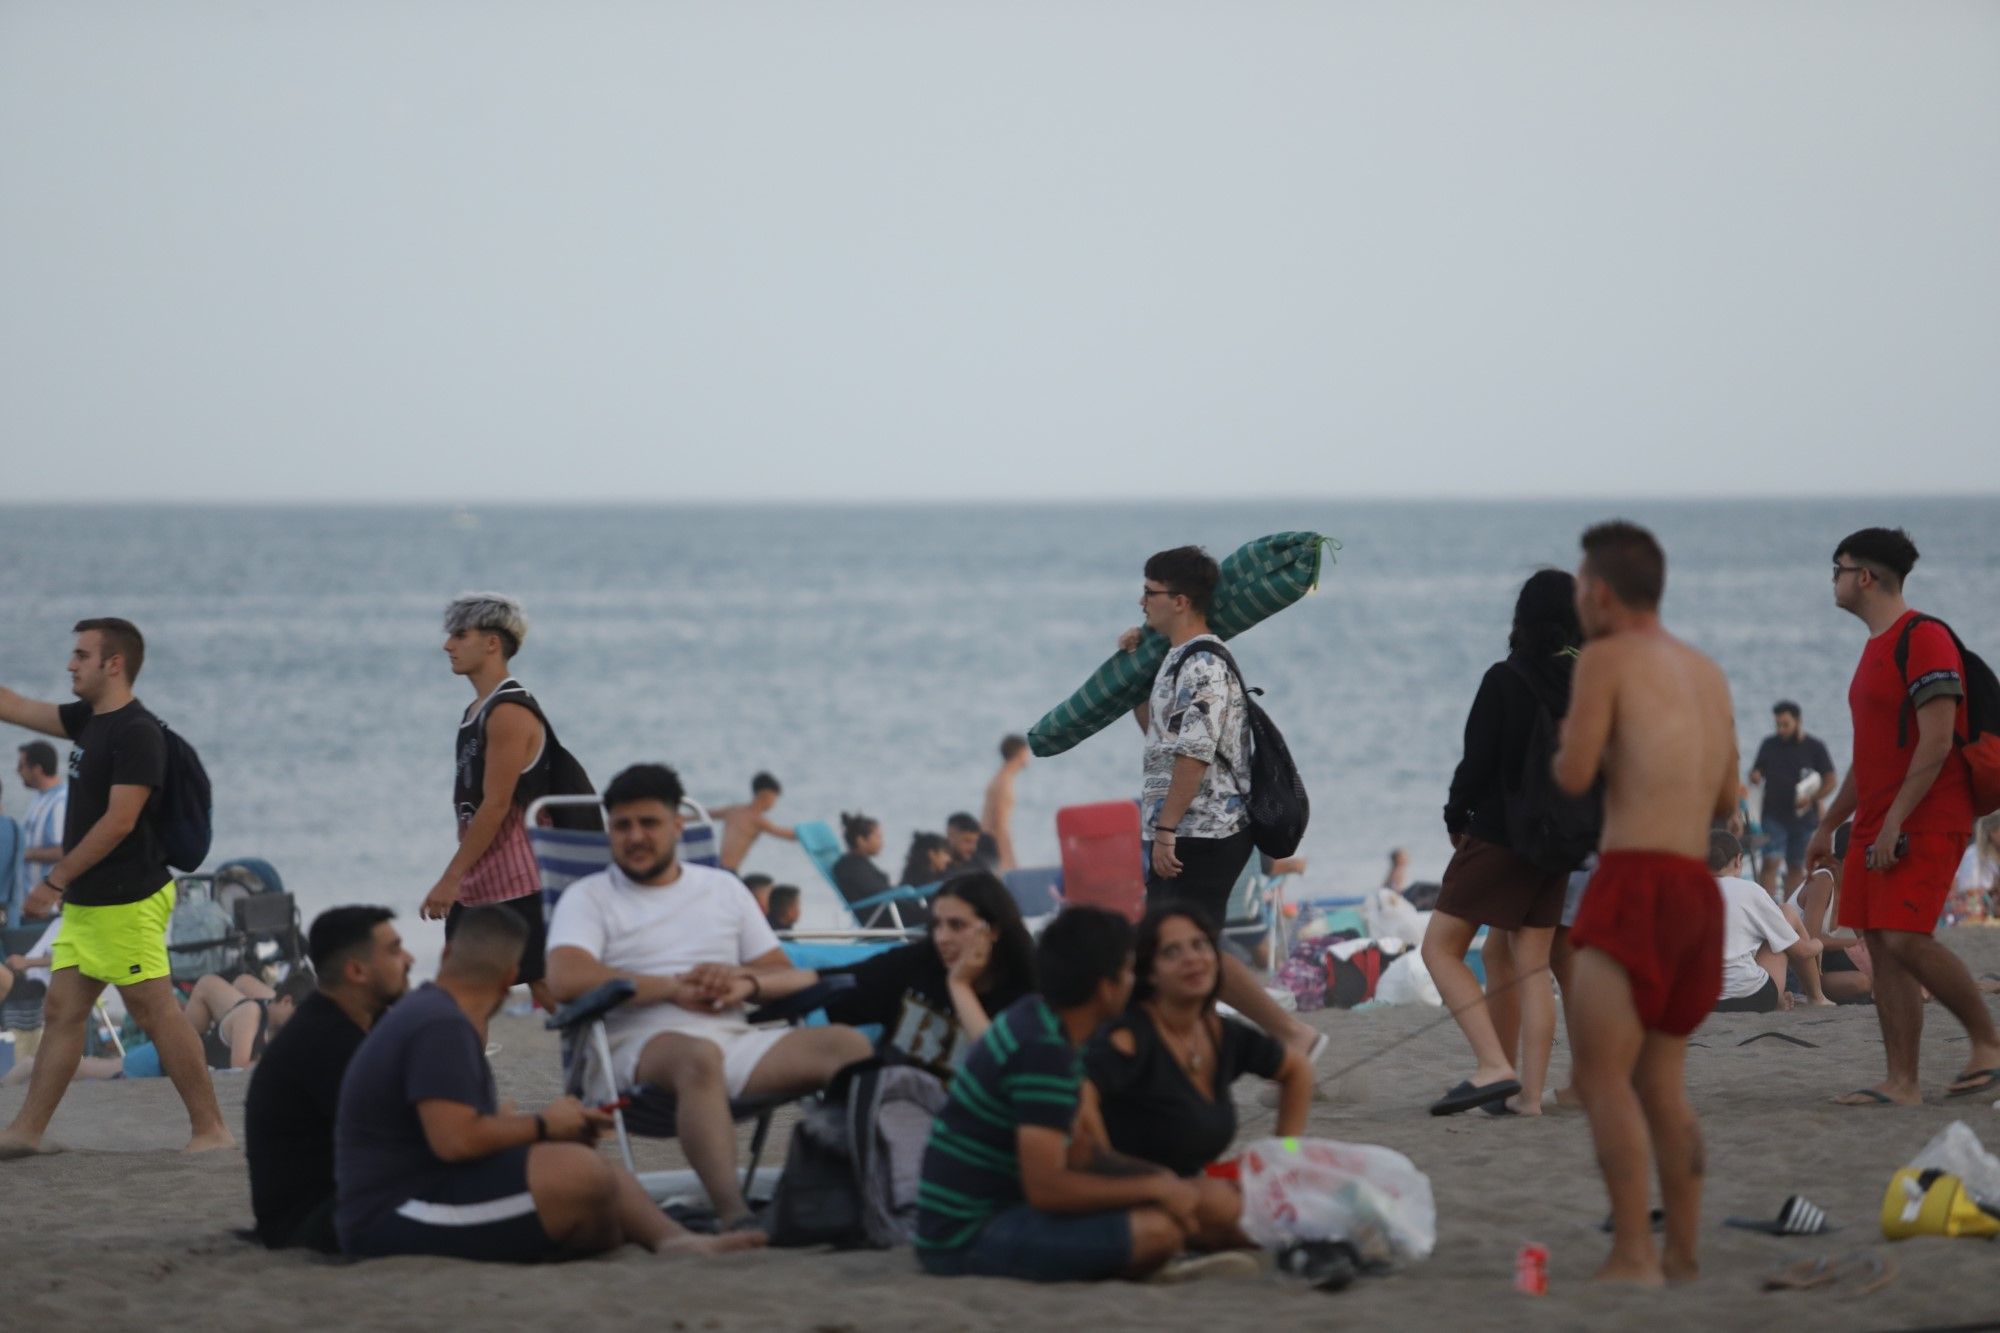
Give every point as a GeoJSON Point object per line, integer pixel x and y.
{"type": "Point", "coordinates": [1188, 1052]}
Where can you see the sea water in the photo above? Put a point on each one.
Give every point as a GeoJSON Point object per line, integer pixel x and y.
{"type": "Point", "coordinates": [872, 658]}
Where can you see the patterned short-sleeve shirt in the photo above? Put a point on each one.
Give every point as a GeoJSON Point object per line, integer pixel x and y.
{"type": "Point", "coordinates": [1201, 715]}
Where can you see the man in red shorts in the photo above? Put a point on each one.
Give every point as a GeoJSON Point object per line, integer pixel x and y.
{"type": "Point", "coordinates": [1651, 715]}
{"type": "Point", "coordinates": [1911, 798]}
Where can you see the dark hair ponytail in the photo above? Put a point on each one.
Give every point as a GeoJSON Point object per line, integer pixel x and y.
{"type": "Point", "coordinates": [855, 827]}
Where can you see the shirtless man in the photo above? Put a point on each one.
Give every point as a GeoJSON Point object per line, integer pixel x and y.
{"type": "Point", "coordinates": [1653, 716]}
{"type": "Point", "coordinates": [997, 815]}
{"type": "Point", "coordinates": [743, 824]}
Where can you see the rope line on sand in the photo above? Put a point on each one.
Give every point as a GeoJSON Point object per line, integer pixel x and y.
{"type": "Point", "coordinates": [1450, 1015]}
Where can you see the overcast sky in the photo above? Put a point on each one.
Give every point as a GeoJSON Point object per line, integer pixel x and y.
{"type": "Point", "coordinates": [473, 251]}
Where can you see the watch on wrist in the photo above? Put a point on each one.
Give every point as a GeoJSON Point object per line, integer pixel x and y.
{"type": "Point", "coordinates": [541, 1128]}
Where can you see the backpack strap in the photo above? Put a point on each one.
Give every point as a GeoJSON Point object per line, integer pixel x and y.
{"type": "Point", "coordinates": [1222, 654]}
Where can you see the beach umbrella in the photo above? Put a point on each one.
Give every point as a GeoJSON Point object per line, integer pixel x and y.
{"type": "Point", "coordinates": [1259, 579]}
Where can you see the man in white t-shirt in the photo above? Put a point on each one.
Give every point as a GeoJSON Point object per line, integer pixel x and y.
{"type": "Point", "coordinates": [700, 953]}
{"type": "Point", "coordinates": [1757, 936]}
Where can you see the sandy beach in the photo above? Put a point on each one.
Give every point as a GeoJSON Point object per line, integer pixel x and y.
{"type": "Point", "coordinates": [121, 1230]}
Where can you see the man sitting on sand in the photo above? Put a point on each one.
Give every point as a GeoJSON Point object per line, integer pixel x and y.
{"type": "Point", "coordinates": [1652, 715]}
{"type": "Point", "coordinates": [699, 952]}
{"type": "Point", "coordinates": [294, 1097]}
{"type": "Point", "coordinates": [426, 1162]}
{"type": "Point", "coordinates": [1758, 937]}
{"type": "Point", "coordinates": [1000, 1193]}
{"type": "Point", "coordinates": [743, 824]}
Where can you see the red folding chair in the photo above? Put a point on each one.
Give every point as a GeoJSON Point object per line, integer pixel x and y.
{"type": "Point", "coordinates": [1103, 859]}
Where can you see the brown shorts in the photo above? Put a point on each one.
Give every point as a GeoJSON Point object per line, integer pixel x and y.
{"type": "Point", "coordinates": [1489, 885]}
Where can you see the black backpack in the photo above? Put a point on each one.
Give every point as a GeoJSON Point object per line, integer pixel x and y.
{"type": "Point", "coordinates": [568, 778]}
{"type": "Point", "coordinates": [183, 810]}
{"type": "Point", "coordinates": [1980, 746]}
{"type": "Point", "coordinates": [1277, 803]}
{"type": "Point", "coordinates": [1546, 826]}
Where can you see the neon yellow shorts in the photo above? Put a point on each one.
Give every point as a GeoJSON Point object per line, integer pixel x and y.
{"type": "Point", "coordinates": [123, 945]}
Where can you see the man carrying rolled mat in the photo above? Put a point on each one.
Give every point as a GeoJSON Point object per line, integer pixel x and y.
{"type": "Point", "coordinates": [1196, 783]}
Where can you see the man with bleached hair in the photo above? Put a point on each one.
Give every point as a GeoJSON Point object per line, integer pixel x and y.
{"type": "Point", "coordinates": [504, 753]}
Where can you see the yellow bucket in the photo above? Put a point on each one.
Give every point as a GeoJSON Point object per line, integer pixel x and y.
{"type": "Point", "coordinates": [1931, 1203]}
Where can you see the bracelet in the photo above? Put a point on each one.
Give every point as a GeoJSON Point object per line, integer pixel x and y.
{"type": "Point", "coordinates": [60, 889]}
{"type": "Point", "coordinates": [541, 1128]}
{"type": "Point", "coordinates": [1162, 828]}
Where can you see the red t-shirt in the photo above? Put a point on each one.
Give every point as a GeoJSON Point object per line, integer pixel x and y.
{"type": "Point", "coordinates": [1879, 698]}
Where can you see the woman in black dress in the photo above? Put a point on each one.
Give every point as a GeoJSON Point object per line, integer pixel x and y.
{"type": "Point", "coordinates": [1162, 1071]}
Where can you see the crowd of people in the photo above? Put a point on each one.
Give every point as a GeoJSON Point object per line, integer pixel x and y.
{"type": "Point", "coordinates": [1084, 1076]}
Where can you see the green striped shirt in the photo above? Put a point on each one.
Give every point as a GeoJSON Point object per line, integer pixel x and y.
{"type": "Point", "coordinates": [1022, 1072]}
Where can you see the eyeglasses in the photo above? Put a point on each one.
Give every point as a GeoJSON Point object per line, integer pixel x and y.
{"type": "Point", "coordinates": [1838, 570]}
{"type": "Point", "coordinates": [1145, 593]}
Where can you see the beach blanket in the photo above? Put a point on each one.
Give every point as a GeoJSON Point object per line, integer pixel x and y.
{"type": "Point", "coordinates": [1259, 579]}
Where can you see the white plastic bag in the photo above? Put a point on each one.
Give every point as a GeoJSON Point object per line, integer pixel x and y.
{"type": "Point", "coordinates": [1387, 915]}
{"type": "Point", "coordinates": [1956, 1151]}
{"type": "Point", "coordinates": [1407, 981]}
{"type": "Point", "coordinates": [1321, 1189]}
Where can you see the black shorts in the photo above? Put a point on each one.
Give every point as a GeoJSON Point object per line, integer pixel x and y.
{"type": "Point", "coordinates": [1210, 868]}
{"type": "Point", "coordinates": [529, 909]}
{"type": "Point", "coordinates": [478, 1210]}
{"type": "Point", "coordinates": [1763, 1000]}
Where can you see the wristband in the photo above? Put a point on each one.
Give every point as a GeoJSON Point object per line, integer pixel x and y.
{"type": "Point", "coordinates": [1163, 828]}
{"type": "Point", "coordinates": [541, 1128]}
{"type": "Point", "coordinates": [60, 889]}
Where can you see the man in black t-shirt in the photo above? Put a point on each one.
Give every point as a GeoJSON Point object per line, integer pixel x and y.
{"type": "Point", "coordinates": [1784, 760]}
{"type": "Point", "coordinates": [288, 1114]}
{"type": "Point", "coordinates": [113, 884]}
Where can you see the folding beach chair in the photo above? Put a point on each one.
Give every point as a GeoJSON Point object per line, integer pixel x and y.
{"type": "Point", "coordinates": [564, 856]}
{"type": "Point", "coordinates": [1102, 857]}
{"type": "Point", "coordinates": [878, 912]}
{"type": "Point", "coordinates": [589, 1075]}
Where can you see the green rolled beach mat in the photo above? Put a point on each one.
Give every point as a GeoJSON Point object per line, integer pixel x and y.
{"type": "Point", "coordinates": [1259, 579]}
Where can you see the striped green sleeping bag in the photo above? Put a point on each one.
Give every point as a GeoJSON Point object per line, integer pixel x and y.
{"type": "Point", "coordinates": [1260, 579]}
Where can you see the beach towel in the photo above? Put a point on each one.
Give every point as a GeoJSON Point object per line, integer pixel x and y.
{"type": "Point", "coordinates": [1259, 579]}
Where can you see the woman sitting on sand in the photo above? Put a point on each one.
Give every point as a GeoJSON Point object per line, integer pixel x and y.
{"type": "Point", "coordinates": [935, 997]}
{"type": "Point", "coordinates": [1846, 975]}
{"type": "Point", "coordinates": [1162, 1071]}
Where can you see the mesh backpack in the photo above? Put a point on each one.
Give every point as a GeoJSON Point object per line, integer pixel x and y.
{"type": "Point", "coordinates": [1277, 803]}
{"type": "Point", "coordinates": [1980, 742]}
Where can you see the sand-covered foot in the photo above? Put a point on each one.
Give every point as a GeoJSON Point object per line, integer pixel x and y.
{"type": "Point", "coordinates": [1632, 1272]}
{"type": "Point", "coordinates": [1522, 1104]}
{"type": "Point", "coordinates": [1882, 1094]}
{"type": "Point", "coordinates": [214, 1140]}
{"type": "Point", "coordinates": [16, 1146]}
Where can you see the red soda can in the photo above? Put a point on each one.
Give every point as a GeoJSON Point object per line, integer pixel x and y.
{"type": "Point", "coordinates": [1531, 1270]}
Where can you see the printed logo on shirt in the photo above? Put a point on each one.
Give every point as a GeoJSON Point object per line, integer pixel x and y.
{"type": "Point", "coordinates": [926, 1036]}
{"type": "Point", "coordinates": [1933, 678]}
{"type": "Point", "coordinates": [75, 762]}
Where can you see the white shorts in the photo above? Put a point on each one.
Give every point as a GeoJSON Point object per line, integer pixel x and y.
{"type": "Point", "coordinates": [743, 1046]}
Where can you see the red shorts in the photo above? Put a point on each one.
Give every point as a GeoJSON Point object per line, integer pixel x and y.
{"type": "Point", "coordinates": [1659, 916]}
{"type": "Point", "coordinates": [1909, 897]}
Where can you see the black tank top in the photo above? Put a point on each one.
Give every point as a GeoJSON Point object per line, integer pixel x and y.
{"type": "Point", "coordinates": [468, 786]}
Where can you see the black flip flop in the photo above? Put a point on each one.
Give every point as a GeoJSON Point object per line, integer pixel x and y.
{"type": "Point", "coordinates": [1798, 1217]}
{"type": "Point", "coordinates": [1467, 1095]}
{"type": "Point", "coordinates": [1874, 1098]}
{"type": "Point", "coordinates": [1498, 1108]}
{"type": "Point", "coordinates": [1989, 1081]}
